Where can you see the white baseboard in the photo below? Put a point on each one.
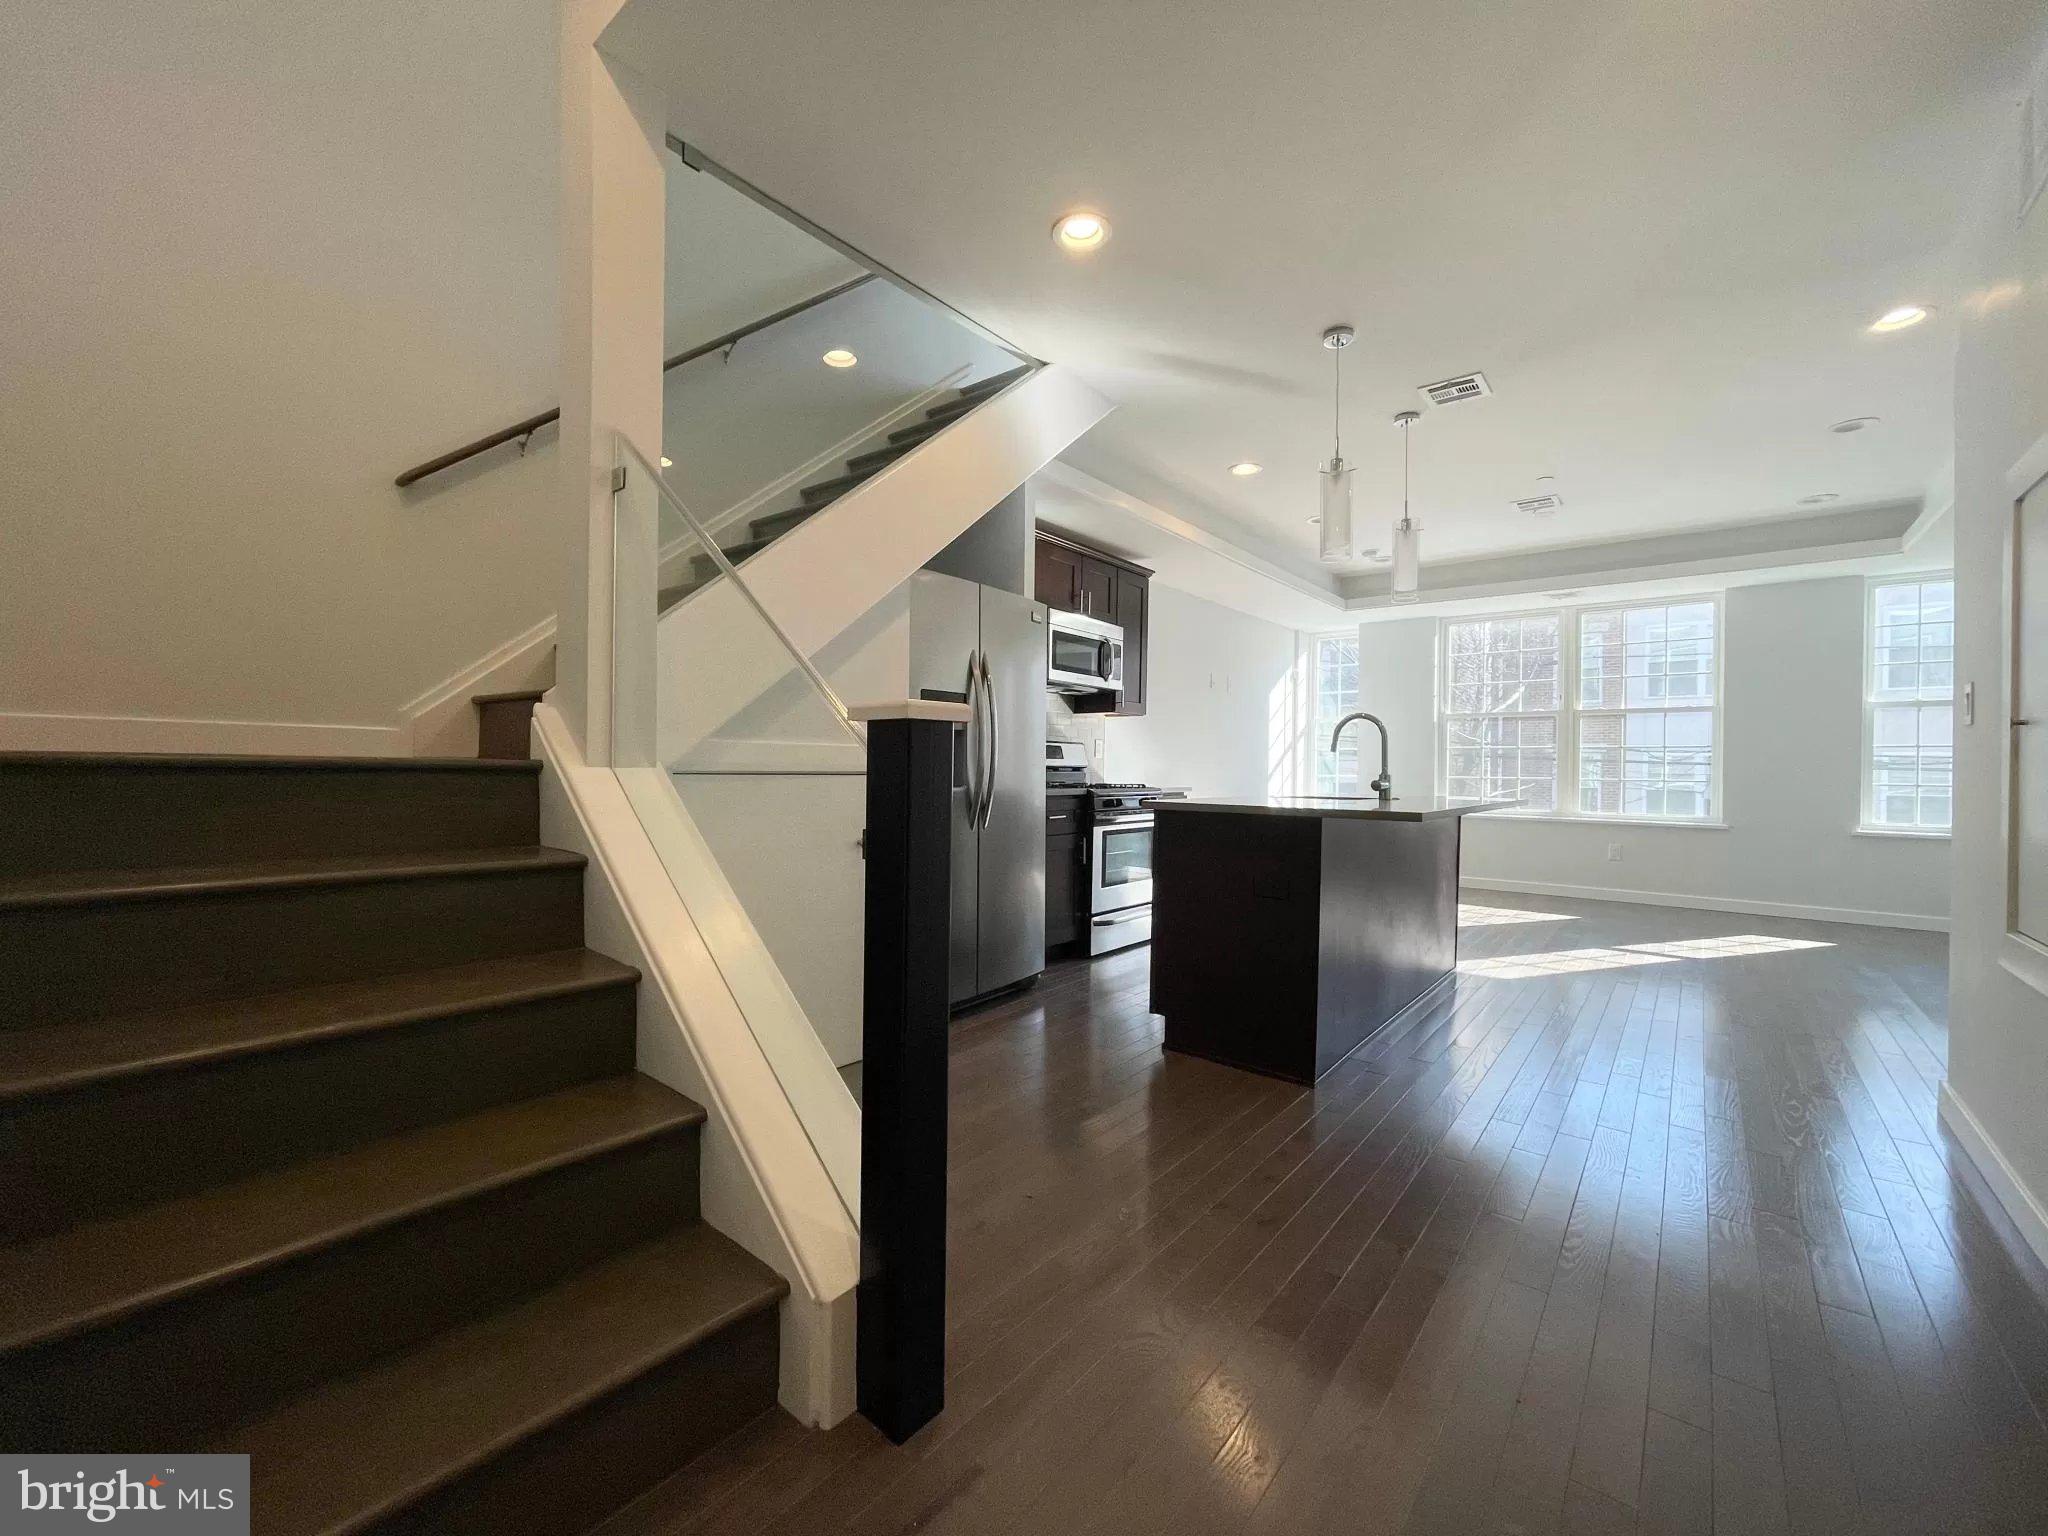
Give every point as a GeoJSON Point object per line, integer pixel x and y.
{"type": "Point", "coordinates": [213, 738]}
{"type": "Point", "coordinates": [441, 723]}
{"type": "Point", "coordinates": [1714, 904]}
{"type": "Point", "coordinates": [2026, 1212]}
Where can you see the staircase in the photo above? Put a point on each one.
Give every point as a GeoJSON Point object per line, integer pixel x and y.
{"type": "Point", "coordinates": [321, 1140]}
{"type": "Point", "coordinates": [814, 498]}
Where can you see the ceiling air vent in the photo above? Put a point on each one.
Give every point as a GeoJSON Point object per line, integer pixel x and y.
{"type": "Point", "coordinates": [1540, 506]}
{"type": "Point", "coordinates": [1466, 386]}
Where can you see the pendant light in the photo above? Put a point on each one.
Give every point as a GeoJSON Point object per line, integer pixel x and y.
{"type": "Point", "coordinates": [1407, 535]}
{"type": "Point", "coordinates": [1338, 545]}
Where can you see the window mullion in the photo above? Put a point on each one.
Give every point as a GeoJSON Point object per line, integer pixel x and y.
{"type": "Point", "coordinates": [1568, 713]}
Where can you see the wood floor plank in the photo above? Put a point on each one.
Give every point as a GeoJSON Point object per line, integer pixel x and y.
{"type": "Point", "coordinates": [1672, 1248]}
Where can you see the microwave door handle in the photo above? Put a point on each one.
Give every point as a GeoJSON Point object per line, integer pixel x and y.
{"type": "Point", "coordinates": [995, 737]}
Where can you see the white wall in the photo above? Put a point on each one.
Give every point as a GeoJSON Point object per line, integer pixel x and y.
{"type": "Point", "coordinates": [1791, 789]}
{"type": "Point", "coordinates": [1219, 702]}
{"type": "Point", "coordinates": [1998, 1025]}
{"type": "Point", "coordinates": [257, 260]}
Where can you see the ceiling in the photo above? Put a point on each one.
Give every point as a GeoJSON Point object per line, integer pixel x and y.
{"type": "Point", "coordinates": [1660, 230]}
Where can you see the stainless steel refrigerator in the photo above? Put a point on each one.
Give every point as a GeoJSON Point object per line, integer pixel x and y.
{"type": "Point", "coordinates": [985, 647]}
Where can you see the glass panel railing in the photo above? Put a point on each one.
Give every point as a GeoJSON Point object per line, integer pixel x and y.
{"type": "Point", "coordinates": [750, 783]}
{"type": "Point", "coordinates": [793, 374]}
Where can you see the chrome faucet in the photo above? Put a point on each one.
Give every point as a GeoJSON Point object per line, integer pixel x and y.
{"type": "Point", "coordinates": [1383, 786]}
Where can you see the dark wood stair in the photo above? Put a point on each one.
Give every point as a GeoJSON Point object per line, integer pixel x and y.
{"type": "Point", "coordinates": [338, 1156]}
{"type": "Point", "coordinates": [814, 498]}
{"type": "Point", "coordinates": [504, 722]}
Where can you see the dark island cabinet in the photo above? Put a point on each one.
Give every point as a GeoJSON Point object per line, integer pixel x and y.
{"type": "Point", "coordinates": [1074, 579]}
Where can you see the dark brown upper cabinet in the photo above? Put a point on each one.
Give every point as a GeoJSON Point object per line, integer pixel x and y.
{"type": "Point", "coordinates": [1075, 579]}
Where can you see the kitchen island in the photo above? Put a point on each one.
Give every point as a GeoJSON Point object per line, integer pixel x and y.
{"type": "Point", "coordinates": [1288, 931]}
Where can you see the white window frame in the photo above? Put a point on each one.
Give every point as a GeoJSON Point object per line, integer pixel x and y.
{"type": "Point", "coordinates": [1318, 727]}
{"type": "Point", "coordinates": [1569, 710]}
{"type": "Point", "coordinates": [1867, 768]}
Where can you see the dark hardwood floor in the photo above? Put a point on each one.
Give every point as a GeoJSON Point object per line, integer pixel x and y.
{"type": "Point", "coordinates": [1646, 1223]}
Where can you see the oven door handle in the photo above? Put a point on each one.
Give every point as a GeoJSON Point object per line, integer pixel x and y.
{"type": "Point", "coordinates": [1116, 918]}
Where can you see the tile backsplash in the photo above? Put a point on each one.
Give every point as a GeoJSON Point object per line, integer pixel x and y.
{"type": "Point", "coordinates": [1092, 731]}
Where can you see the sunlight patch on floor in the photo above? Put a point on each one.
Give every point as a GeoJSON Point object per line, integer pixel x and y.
{"type": "Point", "coordinates": [1567, 962]}
{"type": "Point", "coordinates": [1470, 916]}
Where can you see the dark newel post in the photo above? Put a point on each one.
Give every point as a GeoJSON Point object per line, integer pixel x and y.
{"type": "Point", "coordinates": [902, 1302]}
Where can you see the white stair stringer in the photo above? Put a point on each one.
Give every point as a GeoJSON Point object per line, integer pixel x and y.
{"type": "Point", "coordinates": [715, 657]}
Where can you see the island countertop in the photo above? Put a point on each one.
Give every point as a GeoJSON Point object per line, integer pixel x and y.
{"type": "Point", "coordinates": [1368, 808]}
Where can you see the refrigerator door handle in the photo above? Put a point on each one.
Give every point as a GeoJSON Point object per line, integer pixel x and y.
{"type": "Point", "coordinates": [974, 739]}
{"type": "Point", "coordinates": [995, 737]}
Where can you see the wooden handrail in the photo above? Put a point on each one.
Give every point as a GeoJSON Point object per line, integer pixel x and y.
{"type": "Point", "coordinates": [533, 424]}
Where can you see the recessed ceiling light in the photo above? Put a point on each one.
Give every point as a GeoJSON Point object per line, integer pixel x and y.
{"type": "Point", "coordinates": [1819, 499]}
{"type": "Point", "coordinates": [1244, 469]}
{"type": "Point", "coordinates": [1080, 231]}
{"type": "Point", "coordinates": [839, 357]}
{"type": "Point", "coordinates": [1854, 424]}
{"type": "Point", "coordinates": [1899, 319]}
{"type": "Point", "coordinates": [668, 463]}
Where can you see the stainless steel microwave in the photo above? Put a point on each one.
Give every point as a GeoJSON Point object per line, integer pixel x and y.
{"type": "Point", "coordinates": [1083, 654]}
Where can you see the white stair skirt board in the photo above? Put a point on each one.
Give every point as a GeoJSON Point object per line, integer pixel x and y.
{"type": "Point", "coordinates": [835, 566]}
{"type": "Point", "coordinates": [2027, 1213]}
{"type": "Point", "coordinates": [764, 1183]}
{"type": "Point", "coordinates": [1857, 915]}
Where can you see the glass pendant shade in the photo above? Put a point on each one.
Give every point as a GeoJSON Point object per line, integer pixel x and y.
{"type": "Point", "coordinates": [1339, 547]}
{"type": "Point", "coordinates": [1407, 560]}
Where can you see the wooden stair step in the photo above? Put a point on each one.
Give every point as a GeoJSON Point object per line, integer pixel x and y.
{"type": "Point", "coordinates": [232, 1089]}
{"type": "Point", "coordinates": [44, 1061]}
{"type": "Point", "coordinates": [88, 944]}
{"type": "Point", "coordinates": [995, 384]}
{"type": "Point", "coordinates": [87, 1277]}
{"type": "Point", "coordinates": [76, 812]}
{"type": "Point", "coordinates": [909, 437]}
{"type": "Point", "coordinates": [504, 724]}
{"type": "Point", "coordinates": [421, 1441]}
{"type": "Point", "coordinates": [772, 527]}
{"type": "Point", "coordinates": [881, 458]}
{"type": "Point", "coordinates": [95, 886]}
{"type": "Point", "coordinates": [826, 491]}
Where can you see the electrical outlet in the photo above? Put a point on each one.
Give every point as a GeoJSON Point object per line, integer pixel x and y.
{"type": "Point", "coordinates": [1614, 853]}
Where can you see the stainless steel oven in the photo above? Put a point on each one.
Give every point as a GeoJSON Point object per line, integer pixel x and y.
{"type": "Point", "coordinates": [1120, 863]}
{"type": "Point", "coordinates": [1083, 654]}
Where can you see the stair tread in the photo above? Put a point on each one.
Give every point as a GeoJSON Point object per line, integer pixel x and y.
{"type": "Point", "coordinates": [510, 696]}
{"type": "Point", "coordinates": [735, 553]}
{"type": "Point", "coordinates": [62, 1284]}
{"type": "Point", "coordinates": [825, 490]}
{"type": "Point", "coordinates": [232, 763]}
{"type": "Point", "coordinates": [981, 389]}
{"type": "Point", "coordinates": [70, 1056]}
{"type": "Point", "coordinates": [907, 437]}
{"type": "Point", "coordinates": [422, 1419]}
{"type": "Point", "coordinates": [77, 887]}
{"type": "Point", "coordinates": [878, 458]}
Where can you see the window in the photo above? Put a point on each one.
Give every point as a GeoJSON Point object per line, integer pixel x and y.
{"type": "Point", "coordinates": [1595, 712]}
{"type": "Point", "coordinates": [1336, 695]}
{"type": "Point", "coordinates": [1909, 719]}
{"type": "Point", "coordinates": [1501, 710]}
{"type": "Point", "coordinates": [1646, 711]}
